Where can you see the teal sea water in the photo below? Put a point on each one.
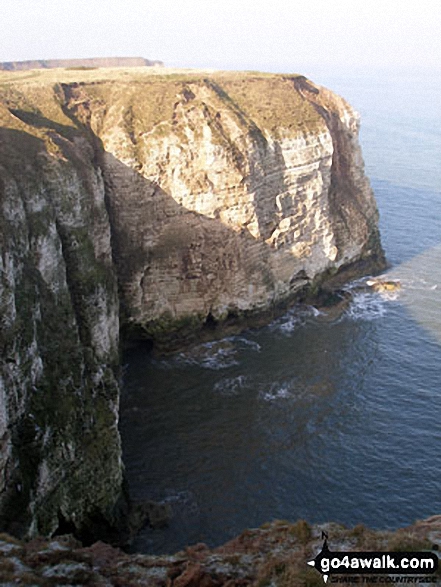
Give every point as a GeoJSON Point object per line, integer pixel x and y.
{"type": "Point", "coordinates": [308, 418]}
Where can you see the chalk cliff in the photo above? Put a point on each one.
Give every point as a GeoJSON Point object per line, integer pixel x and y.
{"type": "Point", "coordinates": [166, 206]}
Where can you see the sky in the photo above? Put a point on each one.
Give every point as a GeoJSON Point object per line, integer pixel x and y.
{"type": "Point", "coordinates": [270, 35]}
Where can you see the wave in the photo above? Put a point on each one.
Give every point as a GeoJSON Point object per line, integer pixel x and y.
{"type": "Point", "coordinates": [211, 355]}
{"type": "Point", "coordinates": [276, 392]}
{"type": "Point", "coordinates": [293, 319]}
{"type": "Point", "coordinates": [367, 306]}
{"type": "Point", "coordinates": [242, 342]}
{"type": "Point", "coordinates": [215, 355]}
{"type": "Point", "coordinates": [231, 385]}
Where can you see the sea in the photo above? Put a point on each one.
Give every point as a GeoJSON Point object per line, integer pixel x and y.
{"type": "Point", "coordinates": [311, 418]}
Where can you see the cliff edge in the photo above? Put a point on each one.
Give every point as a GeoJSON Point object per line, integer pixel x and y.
{"type": "Point", "coordinates": [168, 206]}
{"type": "Point", "coordinates": [275, 554]}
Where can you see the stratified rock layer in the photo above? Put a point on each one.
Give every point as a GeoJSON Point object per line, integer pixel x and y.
{"type": "Point", "coordinates": [228, 197]}
{"type": "Point", "coordinates": [204, 201]}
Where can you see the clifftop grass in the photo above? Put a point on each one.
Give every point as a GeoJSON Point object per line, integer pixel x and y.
{"type": "Point", "coordinates": [268, 102]}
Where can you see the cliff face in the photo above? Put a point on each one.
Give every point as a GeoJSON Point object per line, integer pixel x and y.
{"type": "Point", "coordinates": [60, 457]}
{"type": "Point", "coordinates": [209, 200]}
{"type": "Point", "coordinates": [227, 198]}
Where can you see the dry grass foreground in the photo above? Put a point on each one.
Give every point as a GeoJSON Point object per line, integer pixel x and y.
{"type": "Point", "coordinates": [274, 555]}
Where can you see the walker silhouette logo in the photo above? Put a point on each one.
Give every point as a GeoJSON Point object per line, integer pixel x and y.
{"type": "Point", "coordinates": [375, 563]}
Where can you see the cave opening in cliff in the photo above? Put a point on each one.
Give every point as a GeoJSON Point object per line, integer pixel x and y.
{"type": "Point", "coordinates": [210, 322]}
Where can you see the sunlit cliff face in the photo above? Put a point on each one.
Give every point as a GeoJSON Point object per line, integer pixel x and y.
{"type": "Point", "coordinates": [226, 195]}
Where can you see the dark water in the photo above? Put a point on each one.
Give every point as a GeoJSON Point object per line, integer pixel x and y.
{"type": "Point", "coordinates": [308, 418]}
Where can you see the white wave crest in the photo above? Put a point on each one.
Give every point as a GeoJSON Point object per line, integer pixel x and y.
{"type": "Point", "coordinates": [216, 355]}
{"type": "Point", "coordinates": [294, 318]}
{"type": "Point", "coordinates": [276, 392]}
{"type": "Point", "coordinates": [367, 306]}
{"type": "Point", "coordinates": [243, 342]}
{"type": "Point", "coordinates": [231, 385]}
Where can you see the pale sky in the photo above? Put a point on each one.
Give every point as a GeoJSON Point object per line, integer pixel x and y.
{"type": "Point", "coordinates": [272, 35]}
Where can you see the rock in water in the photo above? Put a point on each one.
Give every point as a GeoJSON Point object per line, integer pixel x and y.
{"type": "Point", "coordinates": [382, 285]}
{"type": "Point", "coordinates": [169, 206]}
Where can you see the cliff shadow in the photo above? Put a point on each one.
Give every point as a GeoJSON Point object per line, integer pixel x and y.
{"type": "Point", "coordinates": [58, 374]}
{"type": "Point", "coordinates": [176, 267]}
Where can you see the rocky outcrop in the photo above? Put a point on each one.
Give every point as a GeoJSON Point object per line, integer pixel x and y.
{"type": "Point", "coordinates": [275, 554]}
{"type": "Point", "coordinates": [80, 63]}
{"type": "Point", "coordinates": [205, 202]}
